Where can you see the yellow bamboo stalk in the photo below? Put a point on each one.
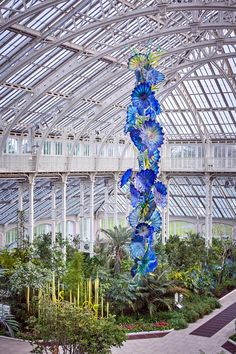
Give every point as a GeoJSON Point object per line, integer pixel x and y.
{"type": "Point", "coordinates": [85, 291]}
{"type": "Point", "coordinates": [54, 299]}
{"type": "Point", "coordinates": [28, 298]}
{"type": "Point", "coordinates": [39, 301]}
{"type": "Point", "coordinates": [70, 296]}
{"type": "Point", "coordinates": [97, 290]}
{"type": "Point", "coordinates": [107, 308]}
{"type": "Point", "coordinates": [90, 290]}
{"type": "Point", "coordinates": [102, 306]}
{"type": "Point", "coordinates": [78, 294]}
{"type": "Point", "coordinates": [58, 288]}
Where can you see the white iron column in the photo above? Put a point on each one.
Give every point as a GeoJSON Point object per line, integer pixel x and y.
{"type": "Point", "coordinates": [20, 231]}
{"type": "Point", "coordinates": [166, 212]}
{"type": "Point", "coordinates": [106, 205]}
{"type": "Point", "coordinates": [31, 207]}
{"type": "Point", "coordinates": [53, 213]}
{"type": "Point", "coordinates": [208, 218]}
{"type": "Point", "coordinates": [20, 197]}
{"type": "Point", "coordinates": [92, 236]}
{"type": "Point", "coordinates": [81, 211]}
{"type": "Point", "coordinates": [63, 206]}
{"type": "Point", "coordinates": [115, 205]}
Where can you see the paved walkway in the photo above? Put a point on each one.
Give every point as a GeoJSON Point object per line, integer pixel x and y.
{"type": "Point", "coordinates": [181, 342]}
{"type": "Point", "coordinates": [177, 342]}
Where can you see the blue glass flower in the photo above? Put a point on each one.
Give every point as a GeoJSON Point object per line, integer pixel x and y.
{"type": "Point", "coordinates": [148, 263]}
{"type": "Point", "coordinates": [160, 194]}
{"type": "Point", "coordinates": [126, 177]}
{"type": "Point", "coordinates": [150, 113]}
{"type": "Point", "coordinates": [133, 217]}
{"type": "Point", "coordinates": [141, 96]}
{"type": "Point", "coordinates": [131, 115]}
{"type": "Point", "coordinates": [144, 180]}
{"type": "Point", "coordinates": [130, 118]}
{"type": "Point", "coordinates": [156, 221]}
{"type": "Point", "coordinates": [152, 135]}
{"type": "Point", "coordinates": [137, 249]}
{"type": "Point", "coordinates": [136, 197]}
{"type": "Point", "coordinates": [154, 76]}
{"type": "Point", "coordinates": [151, 206]}
{"type": "Point", "coordinates": [139, 76]}
{"type": "Point", "coordinates": [137, 238]}
{"type": "Point", "coordinates": [135, 137]}
{"type": "Point", "coordinates": [155, 104]}
{"type": "Point", "coordinates": [144, 230]}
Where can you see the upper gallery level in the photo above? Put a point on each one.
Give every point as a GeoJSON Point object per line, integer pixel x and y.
{"type": "Point", "coordinates": [98, 154]}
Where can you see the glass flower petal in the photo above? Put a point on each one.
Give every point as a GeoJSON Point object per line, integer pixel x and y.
{"type": "Point", "coordinates": [126, 177]}
{"type": "Point", "coordinates": [144, 180]}
{"type": "Point", "coordinates": [137, 61]}
{"type": "Point", "coordinates": [137, 249]}
{"type": "Point", "coordinates": [143, 229]}
{"type": "Point", "coordinates": [133, 217]}
{"type": "Point", "coordinates": [153, 76]}
{"type": "Point", "coordinates": [155, 105]}
{"type": "Point", "coordinates": [153, 58]}
{"type": "Point", "coordinates": [160, 194]}
{"type": "Point", "coordinates": [142, 95]}
{"type": "Point", "coordinates": [135, 137]}
{"type": "Point", "coordinates": [136, 197]}
{"type": "Point", "coordinates": [148, 263]}
{"type": "Point", "coordinates": [152, 135]}
{"type": "Point", "coordinates": [156, 221]}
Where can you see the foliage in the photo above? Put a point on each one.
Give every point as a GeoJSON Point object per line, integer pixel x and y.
{"type": "Point", "coordinates": [121, 293]}
{"type": "Point", "coordinates": [29, 275]}
{"type": "Point", "coordinates": [75, 271]}
{"type": "Point", "coordinates": [118, 239]}
{"type": "Point", "coordinates": [156, 291]}
{"type": "Point", "coordinates": [195, 278]}
{"type": "Point", "coordinates": [180, 253]}
{"type": "Point", "coordinates": [76, 330]}
{"type": "Point", "coordinates": [223, 288]}
{"type": "Point", "coordinates": [178, 322]}
{"type": "Point", "coordinates": [8, 322]}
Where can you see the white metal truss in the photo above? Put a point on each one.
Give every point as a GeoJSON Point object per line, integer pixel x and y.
{"type": "Point", "coordinates": [64, 72]}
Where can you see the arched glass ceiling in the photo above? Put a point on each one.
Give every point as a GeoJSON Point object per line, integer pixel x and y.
{"type": "Point", "coordinates": [63, 66]}
{"type": "Point", "coordinates": [63, 63]}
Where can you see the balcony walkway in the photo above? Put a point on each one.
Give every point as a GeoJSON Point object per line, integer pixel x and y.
{"type": "Point", "coordinates": [177, 342]}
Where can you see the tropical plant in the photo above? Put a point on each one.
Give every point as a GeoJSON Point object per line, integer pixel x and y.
{"type": "Point", "coordinates": [121, 293]}
{"type": "Point", "coordinates": [118, 238]}
{"type": "Point", "coordinates": [7, 320]}
{"type": "Point", "coordinates": [156, 292]}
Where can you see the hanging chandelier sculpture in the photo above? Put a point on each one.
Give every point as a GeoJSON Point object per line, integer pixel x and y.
{"type": "Point", "coordinates": [148, 195]}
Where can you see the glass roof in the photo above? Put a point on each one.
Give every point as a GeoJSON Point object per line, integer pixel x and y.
{"type": "Point", "coordinates": [64, 63]}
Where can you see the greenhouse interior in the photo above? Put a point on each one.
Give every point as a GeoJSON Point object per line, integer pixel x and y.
{"type": "Point", "coordinates": [118, 176]}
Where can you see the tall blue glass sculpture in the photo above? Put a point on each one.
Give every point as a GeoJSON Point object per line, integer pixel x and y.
{"type": "Point", "coordinates": [148, 195]}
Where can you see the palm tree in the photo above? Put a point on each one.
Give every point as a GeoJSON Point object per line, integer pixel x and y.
{"type": "Point", "coordinates": [118, 239]}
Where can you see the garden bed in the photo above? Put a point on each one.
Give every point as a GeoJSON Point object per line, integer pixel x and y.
{"type": "Point", "coordinates": [149, 334]}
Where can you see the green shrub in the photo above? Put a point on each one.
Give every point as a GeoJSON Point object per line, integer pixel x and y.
{"type": "Point", "coordinates": [191, 315]}
{"type": "Point", "coordinates": [225, 287]}
{"type": "Point", "coordinates": [178, 322]}
{"type": "Point", "coordinates": [75, 330]}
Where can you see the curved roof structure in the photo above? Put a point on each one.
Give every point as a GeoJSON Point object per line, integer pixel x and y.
{"type": "Point", "coordinates": [64, 72]}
